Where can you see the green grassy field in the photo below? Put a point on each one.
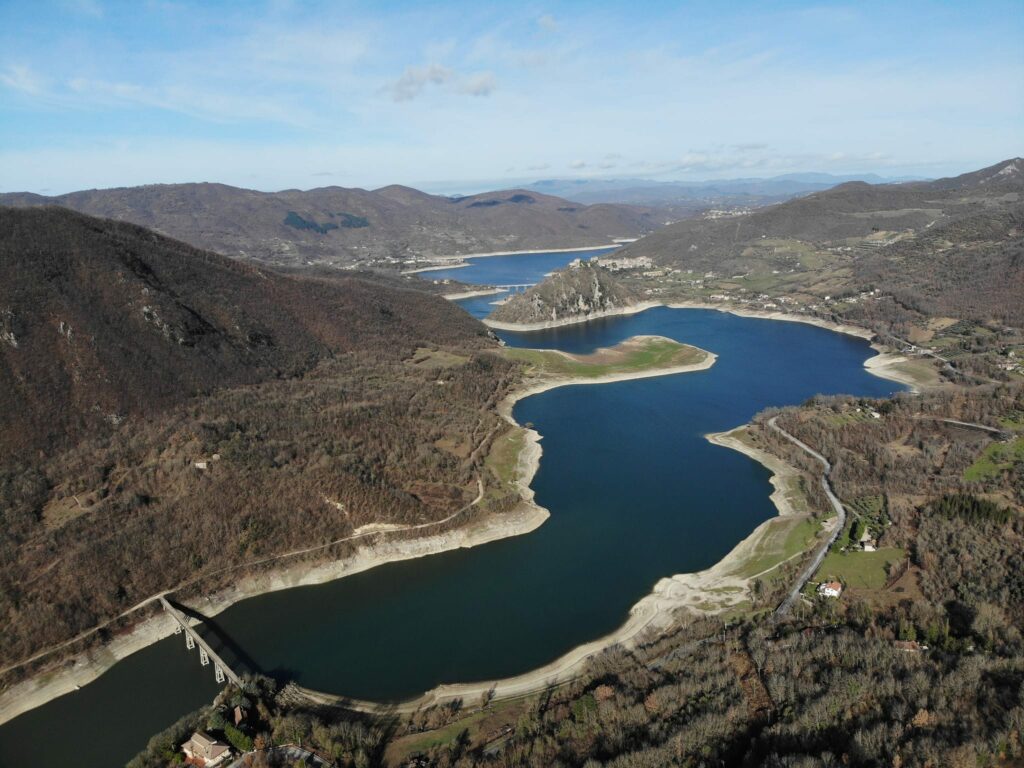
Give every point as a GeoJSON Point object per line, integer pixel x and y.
{"type": "Point", "coordinates": [861, 570]}
{"type": "Point", "coordinates": [631, 356]}
{"type": "Point", "coordinates": [788, 536]}
{"type": "Point", "coordinates": [501, 462]}
{"type": "Point", "coordinates": [995, 459]}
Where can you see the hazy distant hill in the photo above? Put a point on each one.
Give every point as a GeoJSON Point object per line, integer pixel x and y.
{"type": "Point", "coordinates": [698, 194]}
{"type": "Point", "coordinates": [353, 226]}
{"type": "Point", "coordinates": [939, 263]}
{"type": "Point", "coordinates": [830, 218]}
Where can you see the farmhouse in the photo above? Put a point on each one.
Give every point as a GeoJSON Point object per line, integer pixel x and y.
{"type": "Point", "coordinates": [830, 589]}
{"type": "Point", "coordinates": [205, 751]}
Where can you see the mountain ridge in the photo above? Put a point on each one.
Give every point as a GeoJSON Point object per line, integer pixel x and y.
{"type": "Point", "coordinates": [349, 227]}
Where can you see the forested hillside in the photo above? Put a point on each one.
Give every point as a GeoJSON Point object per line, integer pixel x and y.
{"type": "Point", "coordinates": [579, 290]}
{"type": "Point", "coordinates": [168, 412]}
{"type": "Point", "coordinates": [919, 663]}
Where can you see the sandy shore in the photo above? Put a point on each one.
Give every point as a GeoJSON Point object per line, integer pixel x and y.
{"type": "Point", "coordinates": [623, 311]}
{"type": "Point", "coordinates": [884, 364]}
{"type": "Point", "coordinates": [86, 667]}
{"type": "Point", "coordinates": [657, 610]}
{"type": "Point", "coordinates": [710, 591]}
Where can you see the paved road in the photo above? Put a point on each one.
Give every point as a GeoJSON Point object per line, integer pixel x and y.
{"type": "Point", "coordinates": [1001, 433]}
{"type": "Point", "coordinates": [787, 605]}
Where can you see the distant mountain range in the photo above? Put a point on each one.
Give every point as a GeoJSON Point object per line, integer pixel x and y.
{"type": "Point", "coordinates": [731, 192]}
{"type": "Point", "coordinates": [346, 227]}
{"type": "Point", "coordinates": [953, 246]}
{"type": "Point", "coordinates": [949, 248]}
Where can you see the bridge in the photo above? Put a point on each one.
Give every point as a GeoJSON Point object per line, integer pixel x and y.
{"type": "Point", "coordinates": [515, 286]}
{"type": "Point", "coordinates": [206, 654]}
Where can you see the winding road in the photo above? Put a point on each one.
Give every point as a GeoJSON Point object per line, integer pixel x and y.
{"type": "Point", "coordinates": [794, 594]}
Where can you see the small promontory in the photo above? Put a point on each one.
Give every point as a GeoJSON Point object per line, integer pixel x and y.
{"type": "Point", "coordinates": [580, 291]}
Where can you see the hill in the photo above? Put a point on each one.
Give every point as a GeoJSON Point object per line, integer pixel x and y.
{"type": "Point", "coordinates": [580, 290]}
{"type": "Point", "coordinates": [694, 195]}
{"type": "Point", "coordinates": [167, 413]}
{"type": "Point", "coordinates": [842, 216]}
{"type": "Point", "coordinates": [108, 320]}
{"type": "Point", "coordinates": [345, 227]}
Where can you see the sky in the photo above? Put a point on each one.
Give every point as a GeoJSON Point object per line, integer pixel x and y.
{"type": "Point", "coordinates": [462, 96]}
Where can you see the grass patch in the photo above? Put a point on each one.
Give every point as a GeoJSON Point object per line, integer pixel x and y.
{"type": "Point", "coordinates": [860, 570]}
{"type": "Point", "coordinates": [635, 355]}
{"type": "Point", "coordinates": [478, 726]}
{"type": "Point", "coordinates": [995, 459]}
{"type": "Point", "coordinates": [428, 358]}
{"type": "Point", "coordinates": [787, 537]}
{"type": "Point", "coordinates": [503, 458]}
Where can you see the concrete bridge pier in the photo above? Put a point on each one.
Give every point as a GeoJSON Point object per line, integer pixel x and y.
{"type": "Point", "coordinates": [221, 671]}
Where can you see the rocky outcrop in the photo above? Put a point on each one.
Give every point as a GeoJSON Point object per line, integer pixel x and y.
{"type": "Point", "coordinates": [581, 290]}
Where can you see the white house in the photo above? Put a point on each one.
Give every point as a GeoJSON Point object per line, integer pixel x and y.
{"type": "Point", "coordinates": [205, 751]}
{"type": "Point", "coordinates": [830, 589]}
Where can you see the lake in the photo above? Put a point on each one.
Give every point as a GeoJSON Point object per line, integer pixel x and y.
{"type": "Point", "coordinates": [635, 493]}
{"type": "Point", "coordinates": [518, 269]}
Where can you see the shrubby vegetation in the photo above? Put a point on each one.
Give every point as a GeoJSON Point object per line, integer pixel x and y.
{"type": "Point", "coordinates": [262, 414]}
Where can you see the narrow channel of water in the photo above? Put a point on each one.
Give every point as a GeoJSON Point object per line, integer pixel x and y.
{"type": "Point", "coordinates": [635, 491]}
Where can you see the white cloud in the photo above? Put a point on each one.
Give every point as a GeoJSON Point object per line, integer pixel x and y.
{"type": "Point", "coordinates": [415, 79]}
{"type": "Point", "coordinates": [577, 165]}
{"type": "Point", "coordinates": [480, 84]}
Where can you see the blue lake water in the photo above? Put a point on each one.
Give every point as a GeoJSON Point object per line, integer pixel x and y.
{"type": "Point", "coordinates": [520, 269]}
{"type": "Point", "coordinates": [635, 493]}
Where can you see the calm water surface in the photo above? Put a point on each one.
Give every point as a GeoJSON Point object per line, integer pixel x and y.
{"type": "Point", "coordinates": [636, 493]}
{"type": "Point", "coordinates": [522, 269]}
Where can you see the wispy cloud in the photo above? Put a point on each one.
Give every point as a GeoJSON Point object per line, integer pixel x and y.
{"type": "Point", "coordinates": [481, 84]}
{"type": "Point", "coordinates": [415, 79]}
{"type": "Point", "coordinates": [22, 78]}
{"type": "Point", "coordinates": [716, 91]}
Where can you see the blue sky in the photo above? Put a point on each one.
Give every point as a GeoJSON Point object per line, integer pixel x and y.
{"type": "Point", "coordinates": [466, 95]}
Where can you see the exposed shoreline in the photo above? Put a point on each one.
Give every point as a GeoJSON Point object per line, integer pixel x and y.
{"type": "Point", "coordinates": [85, 667]}
{"type": "Point", "coordinates": [884, 364]}
{"type": "Point", "coordinates": [656, 610]}
{"type": "Point", "coordinates": [685, 591]}
{"type": "Point", "coordinates": [545, 324]}
{"type": "Point", "coordinates": [456, 259]}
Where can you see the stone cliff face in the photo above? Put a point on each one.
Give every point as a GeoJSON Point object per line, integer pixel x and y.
{"type": "Point", "coordinates": [579, 290]}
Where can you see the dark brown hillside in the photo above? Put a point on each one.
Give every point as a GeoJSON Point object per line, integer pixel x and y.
{"type": "Point", "coordinates": [102, 320]}
{"type": "Point", "coordinates": [971, 268]}
{"type": "Point", "coordinates": [168, 414]}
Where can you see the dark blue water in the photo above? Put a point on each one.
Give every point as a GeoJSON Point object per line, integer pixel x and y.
{"type": "Point", "coordinates": [635, 491]}
{"type": "Point", "coordinates": [520, 269]}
